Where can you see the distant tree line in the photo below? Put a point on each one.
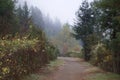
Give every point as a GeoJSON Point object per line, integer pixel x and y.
{"type": "Point", "coordinates": [65, 42]}
{"type": "Point", "coordinates": [49, 26]}
{"type": "Point", "coordinates": [18, 18]}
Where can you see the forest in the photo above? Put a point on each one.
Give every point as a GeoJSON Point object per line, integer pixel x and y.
{"type": "Point", "coordinates": [30, 40]}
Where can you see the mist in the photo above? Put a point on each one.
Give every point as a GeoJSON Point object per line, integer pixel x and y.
{"type": "Point", "coordinates": [64, 10]}
{"type": "Point", "coordinates": [52, 17]}
{"type": "Point", "coordinates": [59, 39]}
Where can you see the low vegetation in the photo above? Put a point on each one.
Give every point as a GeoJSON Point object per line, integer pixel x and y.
{"type": "Point", "coordinates": [103, 76]}
{"type": "Point", "coordinates": [41, 75]}
{"type": "Point", "coordinates": [20, 57]}
{"type": "Point", "coordinates": [96, 73]}
{"type": "Point", "coordinates": [23, 45]}
{"type": "Point", "coordinates": [98, 27]}
{"type": "Point", "coordinates": [73, 54]}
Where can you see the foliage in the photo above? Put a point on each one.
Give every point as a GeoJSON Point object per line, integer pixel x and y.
{"type": "Point", "coordinates": [20, 57]}
{"type": "Point", "coordinates": [84, 21]}
{"type": "Point", "coordinates": [52, 51]}
{"type": "Point", "coordinates": [23, 17]}
{"type": "Point", "coordinates": [35, 33]}
{"type": "Point", "coordinates": [40, 20]}
{"type": "Point", "coordinates": [105, 58]}
{"type": "Point", "coordinates": [115, 44]}
{"type": "Point", "coordinates": [98, 26]}
{"type": "Point", "coordinates": [73, 54]}
{"type": "Point", "coordinates": [7, 18]}
{"type": "Point", "coordinates": [27, 49]}
{"type": "Point", "coordinates": [109, 25]}
{"type": "Point", "coordinates": [41, 76]}
{"type": "Point", "coordinates": [65, 42]}
{"type": "Point", "coordinates": [101, 55]}
{"type": "Point", "coordinates": [84, 27]}
{"type": "Point", "coordinates": [109, 16]}
{"type": "Point", "coordinates": [6, 7]}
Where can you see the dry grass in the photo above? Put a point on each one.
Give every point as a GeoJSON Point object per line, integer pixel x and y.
{"type": "Point", "coordinates": [93, 70]}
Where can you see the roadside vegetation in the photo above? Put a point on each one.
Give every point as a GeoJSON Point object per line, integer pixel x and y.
{"type": "Point", "coordinates": [44, 71]}
{"type": "Point", "coordinates": [23, 46]}
{"type": "Point", "coordinates": [98, 26]}
{"type": "Point", "coordinates": [29, 40]}
{"type": "Point", "coordinates": [95, 73]}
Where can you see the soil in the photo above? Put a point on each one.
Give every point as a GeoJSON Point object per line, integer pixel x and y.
{"type": "Point", "coordinates": [72, 69]}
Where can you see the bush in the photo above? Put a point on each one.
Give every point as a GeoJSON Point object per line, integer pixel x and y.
{"type": "Point", "coordinates": [101, 56]}
{"type": "Point", "coordinates": [20, 57]}
{"type": "Point", "coordinates": [73, 54]}
{"type": "Point", "coordinates": [51, 51]}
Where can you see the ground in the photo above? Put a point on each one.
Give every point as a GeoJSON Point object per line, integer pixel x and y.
{"type": "Point", "coordinates": [66, 68]}
{"type": "Point", "coordinates": [72, 69]}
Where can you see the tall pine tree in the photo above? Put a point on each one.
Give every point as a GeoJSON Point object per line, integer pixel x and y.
{"type": "Point", "coordinates": [84, 26]}
{"type": "Point", "coordinates": [24, 17]}
{"type": "Point", "coordinates": [6, 16]}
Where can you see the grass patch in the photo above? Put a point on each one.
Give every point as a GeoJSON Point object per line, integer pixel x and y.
{"type": "Point", "coordinates": [103, 76]}
{"type": "Point", "coordinates": [33, 77]}
{"type": "Point", "coordinates": [93, 70]}
{"type": "Point", "coordinates": [46, 70]}
{"type": "Point", "coordinates": [95, 73]}
{"type": "Point", "coordinates": [54, 64]}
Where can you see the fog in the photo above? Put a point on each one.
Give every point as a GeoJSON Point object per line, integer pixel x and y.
{"type": "Point", "coordinates": [55, 18]}
{"type": "Point", "coordinates": [62, 9]}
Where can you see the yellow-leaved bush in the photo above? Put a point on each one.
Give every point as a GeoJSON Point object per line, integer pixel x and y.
{"type": "Point", "coordinates": [101, 56]}
{"type": "Point", "coordinates": [22, 56]}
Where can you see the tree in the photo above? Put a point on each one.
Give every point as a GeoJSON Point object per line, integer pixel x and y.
{"type": "Point", "coordinates": [6, 14]}
{"type": "Point", "coordinates": [110, 24]}
{"type": "Point", "coordinates": [109, 16]}
{"type": "Point", "coordinates": [84, 26]}
{"type": "Point", "coordinates": [64, 41]}
{"type": "Point", "coordinates": [50, 27]}
{"type": "Point", "coordinates": [6, 7]}
{"type": "Point", "coordinates": [37, 17]}
{"type": "Point", "coordinates": [24, 17]}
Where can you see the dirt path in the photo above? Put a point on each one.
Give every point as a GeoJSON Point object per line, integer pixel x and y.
{"type": "Point", "coordinates": [72, 69]}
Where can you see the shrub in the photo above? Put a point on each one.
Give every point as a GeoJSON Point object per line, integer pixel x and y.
{"type": "Point", "coordinates": [101, 56]}
{"type": "Point", "coordinates": [73, 54]}
{"type": "Point", "coordinates": [19, 57]}
{"type": "Point", "coordinates": [51, 51]}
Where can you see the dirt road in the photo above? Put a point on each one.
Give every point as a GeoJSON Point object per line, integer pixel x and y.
{"type": "Point", "coordinates": [72, 69]}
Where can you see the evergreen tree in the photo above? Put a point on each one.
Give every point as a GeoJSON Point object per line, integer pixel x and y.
{"type": "Point", "coordinates": [37, 17]}
{"type": "Point", "coordinates": [6, 16]}
{"type": "Point", "coordinates": [6, 7]}
{"type": "Point", "coordinates": [110, 24]}
{"type": "Point", "coordinates": [24, 18]}
{"type": "Point", "coordinates": [110, 18]}
{"type": "Point", "coordinates": [84, 26]}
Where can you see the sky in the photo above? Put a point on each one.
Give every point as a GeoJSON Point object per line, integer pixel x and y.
{"type": "Point", "coordinates": [64, 10]}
